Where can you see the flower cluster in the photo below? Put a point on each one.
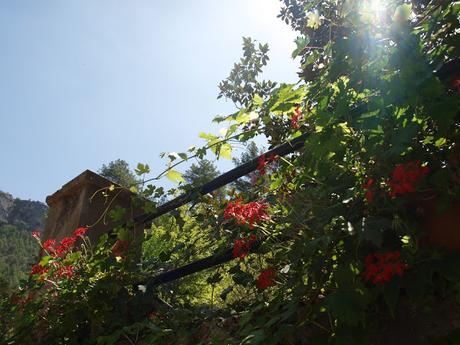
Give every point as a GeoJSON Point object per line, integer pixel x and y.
{"type": "Point", "coordinates": [38, 269]}
{"type": "Point", "coordinates": [80, 232]}
{"type": "Point", "coordinates": [242, 247]}
{"type": "Point", "coordinates": [57, 268]}
{"type": "Point", "coordinates": [381, 267]}
{"type": "Point", "coordinates": [266, 278]}
{"type": "Point", "coordinates": [264, 161]}
{"type": "Point", "coordinates": [456, 84]}
{"type": "Point", "coordinates": [249, 213]}
{"type": "Point", "coordinates": [405, 177]}
{"type": "Point", "coordinates": [65, 271]}
{"type": "Point", "coordinates": [369, 190]}
{"type": "Point", "coordinates": [120, 248]}
{"type": "Point", "coordinates": [296, 117]}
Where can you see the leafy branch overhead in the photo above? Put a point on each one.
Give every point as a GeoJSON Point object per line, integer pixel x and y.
{"type": "Point", "coordinates": [344, 232]}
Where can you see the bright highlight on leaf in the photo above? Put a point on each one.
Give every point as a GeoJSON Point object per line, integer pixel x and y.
{"type": "Point", "coordinates": [226, 151]}
{"type": "Point", "coordinates": [174, 176]}
{"type": "Point", "coordinates": [133, 189]}
{"type": "Point", "coordinates": [314, 21]}
{"type": "Point", "coordinates": [402, 13]}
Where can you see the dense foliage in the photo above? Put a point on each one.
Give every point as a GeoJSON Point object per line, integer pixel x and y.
{"type": "Point", "coordinates": [351, 233]}
{"type": "Point", "coordinates": [17, 249]}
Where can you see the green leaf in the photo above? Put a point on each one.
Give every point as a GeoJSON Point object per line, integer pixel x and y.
{"type": "Point", "coordinates": [257, 100]}
{"type": "Point", "coordinates": [286, 98]}
{"type": "Point", "coordinates": [174, 176]}
{"type": "Point", "coordinates": [44, 260]}
{"type": "Point", "coordinates": [133, 189]}
{"type": "Point", "coordinates": [226, 151]}
{"type": "Point", "coordinates": [347, 305]}
{"type": "Point", "coordinates": [207, 136]}
{"type": "Point", "coordinates": [142, 169]}
{"type": "Point", "coordinates": [440, 142]}
{"type": "Point", "coordinates": [301, 42]}
{"type": "Point", "coordinates": [183, 155]}
{"type": "Point", "coordinates": [117, 213]}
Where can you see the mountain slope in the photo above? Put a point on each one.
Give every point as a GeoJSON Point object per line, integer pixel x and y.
{"type": "Point", "coordinates": [18, 249]}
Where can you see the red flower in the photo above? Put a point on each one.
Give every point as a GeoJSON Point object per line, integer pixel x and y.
{"type": "Point", "coordinates": [381, 267]}
{"type": "Point", "coordinates": [80, 232]}
{"type": "Point", "coordinates": [266, 278]}
{"type": "Point", "coordinates": [65, 271]}
{"type": "Point", "coordinates": [262, 164]}
{"type": "Point", "coordinates": [120, 248]}
{"type": "Point", "coordinates": [38, 269]}
{"type": "Point", "coordinates": [296, 117]}
{"type": "Point", "coordinates": [405, 177]}
{"type": "Point", "coordinates": [251, 213]}
{"type": "Point", "coordinates": [456, 84]}
{"type": "Point", "coordinates": [36, 233]}
{"type": "Point", "coordinates": [369, 192]}
{"type": "Point", "coordinates": [263, 161]}
{"type": "Point", "coordinates": [66, 244]}
{"type": "Point", "coordinates": [242, 247]}
{"type": "Point", "coordinates": [48, 245]}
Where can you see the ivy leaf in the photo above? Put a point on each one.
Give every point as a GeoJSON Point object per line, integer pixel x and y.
{"type": "Point", "coordinates": [257, 100]}
{"type": "Point", "coordinates": [301, 42]}
{"type": "Point", "coordinates": [226, 151]}
{"type": "Point", "coordinates": [173, 156]}
{"type": "Point", "coordinates": [133, 189]}
{"type": "Point", "coordinates": [174, 176]}
{"type": "Point", "coordinates": [117, 213]}
{"type": "Point", "coordinates": [183, 155]}
{"type": "Point", "coordinates": [142, 169]}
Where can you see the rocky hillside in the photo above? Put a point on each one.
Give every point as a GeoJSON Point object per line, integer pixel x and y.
{"type": "Point", "coordinates": [25, 214]}
{"type": "Point", "coordinates": [18, 250]}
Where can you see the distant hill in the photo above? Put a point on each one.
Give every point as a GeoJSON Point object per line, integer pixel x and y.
{"type": "Point", "coordinates": [21, 213]}
{"type": "Point", "coordinates": [18, 249]}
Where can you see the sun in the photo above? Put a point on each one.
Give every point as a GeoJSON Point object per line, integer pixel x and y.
{"type": "Point", "coordinates": [373, 11]}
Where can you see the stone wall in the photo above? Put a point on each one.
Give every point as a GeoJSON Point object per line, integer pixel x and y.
{"type": "Point", "coordinates": [81, 202]}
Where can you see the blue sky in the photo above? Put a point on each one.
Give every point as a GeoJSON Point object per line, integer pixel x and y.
{"type": "Point", "coordinates": [86, 82]}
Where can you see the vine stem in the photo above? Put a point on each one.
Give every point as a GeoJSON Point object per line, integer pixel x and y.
{"type": "Point", "coordinates": [220, 142]}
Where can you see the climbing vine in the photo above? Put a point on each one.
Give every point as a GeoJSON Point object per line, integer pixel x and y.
{"type": "Point", "coordinates": [349, 240]}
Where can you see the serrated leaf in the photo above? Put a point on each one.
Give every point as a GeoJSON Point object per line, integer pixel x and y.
{"type": "Point", "coordinates": [133, 189]}
{"type": "Point", "coordinates": [207, 136]}
{"type": "Point", "coordinates": [242, 117]}
{"type": "Point", "coordinates": [142, 169]}
{"type": "Point", "coordinates": [226, 151]}
{"type": "Point", "coordinates": [301, 42]}
{"type": "Point", "coordinates": [183, 155]}
{"type": "Point", "coordinates": [257, 100]}
{"type": "Point", "coordinates": [174, 176]}
{"type": "Point", "coordinates": [173, 156]}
